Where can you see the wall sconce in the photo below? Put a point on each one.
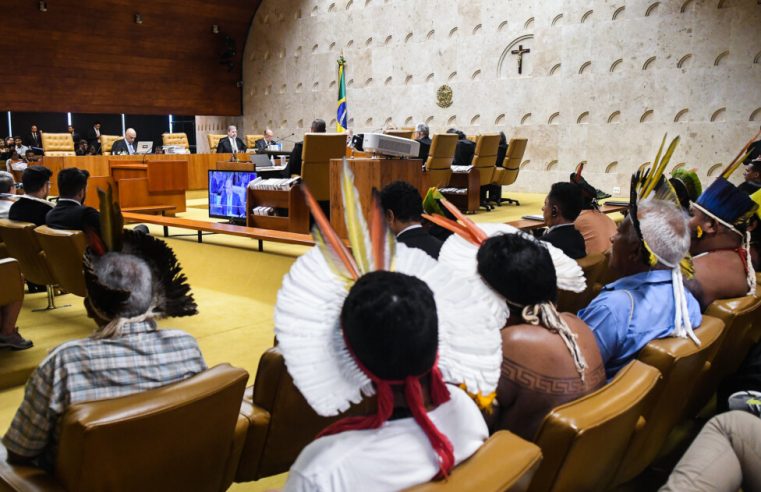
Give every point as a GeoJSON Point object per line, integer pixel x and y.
{"type": "Point", "coordinates": [138, 19]}
{"type": "Point", "coordinates": [43, 6]}
{"type": "Point", "coordinates": [215, 28]}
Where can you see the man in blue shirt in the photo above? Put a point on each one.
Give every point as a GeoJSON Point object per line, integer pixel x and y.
{"type": "Point", "coordinates": [640, 306]}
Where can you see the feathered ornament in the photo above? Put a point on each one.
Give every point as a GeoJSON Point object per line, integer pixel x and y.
{"type": "Point", "coordinates": [590, 193]}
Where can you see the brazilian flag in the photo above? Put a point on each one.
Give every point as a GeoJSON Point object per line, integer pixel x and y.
{"type": "Point", "coordinates": [341, 112]}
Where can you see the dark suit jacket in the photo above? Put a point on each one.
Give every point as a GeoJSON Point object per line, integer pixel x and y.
{"type": "Point", "coordinates": [29, 210]}
{"type": "Point", "coordinates": [30, 141]}
{"type": "Point", "coordinates": [73, 216]}
{"type": "Point", "coordinates": [92, 138]}
{"type": "Point", "coordinates": [463, 153]}
{"type": "Point", "coordinates": [425, 147]}
{"type": "Point", "coordinates": [224, 147]}
{"type": "Point", "coordinates": [294, 163]}
{"type": "Point", "coordinates": [568, 239]}
{"type": "Point", "coordinates": [420, 239]}
{"type": "Point", "coordinates": [261, 145]}
{"type": "Point", "coordinates": [120, 147]}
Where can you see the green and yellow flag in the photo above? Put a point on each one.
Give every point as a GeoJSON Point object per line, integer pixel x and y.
{"type": "Point", "coordinates": [341, 112]}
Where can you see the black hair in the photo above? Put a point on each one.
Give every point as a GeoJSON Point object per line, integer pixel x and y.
{"type": "Point", "coordinates": [567, 197]}
{"type": "Point", "coordinates": [520, 269]}
{"type": "Point", "coordinates": [6, 183]}
{"type": "Point", "coordinates": [71, 181]}
{"type": "Point", "coordinates": [318, 126]}
{"type": "Point", "coordinates": [390, 323]}
{"type": "Point", "coordinates": [403, 199]}
{"type": "Point", "coordinates": [34, 178]}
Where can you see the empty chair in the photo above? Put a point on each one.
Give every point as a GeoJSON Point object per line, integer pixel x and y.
{"type": "Point", "coordinates": [107, 141]}
{"type": "Point", "coordinates": [64, 250]}
{"type": "Point", "coordinates": [505, 462]}
{"type": "Point", "coordinates": [183, 436]}
{"type": "Point", "coordinates": [251, 140]}
{"type": "Point", "coordinates": [213, 139]}
{"type": "Point", "coordinates": [438, 166]}
{"type": "Point", "coordinates": [511, 166]}
{"type": "Point", "coordinates": [583, 441]}
{"type": "Point", "coordinates": [318, 150]}
{"type": "Point", "coordinates": [58, 144]}
{"type": "Point", "coordinates": [680, 362]}
{"type": "Point", "coordinates": [180, 139]}
{"type": "Point", "coordinates": [594, 267]}
{"type": "Point", "coordinates": [485, 160]}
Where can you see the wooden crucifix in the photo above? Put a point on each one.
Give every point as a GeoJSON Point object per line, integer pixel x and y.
{"type": "Point", "coordinates": [520, 52]}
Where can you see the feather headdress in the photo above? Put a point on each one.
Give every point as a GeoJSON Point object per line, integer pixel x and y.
{"type": "Point", "coordinates": [590, 194]}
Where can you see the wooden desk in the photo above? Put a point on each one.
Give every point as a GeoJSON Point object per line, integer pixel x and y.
{"type": "Point", "coordinates": [528, 224]}
{"type": "Point", "coordinates": [368, 174]}
{"type": "Point", "coordinates": [155, 183]}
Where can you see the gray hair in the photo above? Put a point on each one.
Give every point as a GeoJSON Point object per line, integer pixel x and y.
{"type": "Point", "coordinates": [422, 128]}
{"type": "Point", "coordinates": [664, 227]}
{"type": "Point", "coordinates": [127, 272]}
{"type": "Point", "coordinates": [6, 182]}
{"type": "Point", "coordinates": [231, 127]}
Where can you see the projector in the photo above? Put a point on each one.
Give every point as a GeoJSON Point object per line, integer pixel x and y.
{"type": "Point", "coordinates": [389, 145]}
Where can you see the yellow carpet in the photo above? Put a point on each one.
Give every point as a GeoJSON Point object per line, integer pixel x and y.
{"type": "Point", "coordinates": [235, 287]}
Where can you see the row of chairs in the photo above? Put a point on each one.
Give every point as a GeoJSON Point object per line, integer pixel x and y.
{"type": "Point", "coordinates": [62, 144]}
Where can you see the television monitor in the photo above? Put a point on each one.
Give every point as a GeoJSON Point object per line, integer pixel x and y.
{"type": "Point", "coordinates": [227, 194]}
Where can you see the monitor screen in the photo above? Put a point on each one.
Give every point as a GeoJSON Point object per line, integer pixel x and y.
{"type": "Point", "coordinates": [227, 193]}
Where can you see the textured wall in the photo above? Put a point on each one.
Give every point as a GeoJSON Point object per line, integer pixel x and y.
{"type": "Point", "coordinates": [603, 81]}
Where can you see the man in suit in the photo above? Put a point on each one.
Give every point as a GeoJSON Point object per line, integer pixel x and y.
{"type": "Point", "coordinates": [403, 206]}
{"type": "Point", "coordinates": [231, 144]}
{"type": "Point", "coordinates": [33, 205]}
{"type": "Point", "coordinates": [561, 207]}
{"type": "Point", "coordinates": [263, 143]}
{"type": "Point", "coordinates": [422, 137]}
{"type": "Point", "coordinates": [229, 202]}
{"type": "Point", "coordinates": [294, 163]}
{"type": "Point", "coordinates": [74, 134]}
{"type": "Point", "coordinates": [463, 153]}
{"type": "Point", "coordinates": [127, 145]}
{"type": "Point", "coordinates": [70, 213]}
{"type": "Point", "coordinates": [93, 136]}
{"type": "Point", "coordinates": [34, 140]}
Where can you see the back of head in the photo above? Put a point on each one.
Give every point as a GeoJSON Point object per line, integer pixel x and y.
{"type": "Point", "coordinates": [567, 197]}
{"type": "Point", "coordinates": [664, 228]}
{"type": "Point", "coordinates": [422, 129]}
{"type": "Point", "coordinates": [390, 323]}
{"type": "Point", "coordinates": [403, 199]}
{"type": "Point", "coordinates": [72, 181]}
{"type": "Point", "coordinates": [318, 126]}
{"type": "Point", "coordinates": [518, 268]}
{"type": "Point", "coordinates": [35, 178]}
{"type": "Point", "coordinates": [6, 182]}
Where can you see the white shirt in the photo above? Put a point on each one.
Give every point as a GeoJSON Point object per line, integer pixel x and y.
{"type": "Point", "coordinates": [409, 228]}
{"type": "Point", "coordinates": [5, 205]}
{"type": "Point", "coordinates": [233, 144]}
{"type": "Point", "coordinates": [393, 457]}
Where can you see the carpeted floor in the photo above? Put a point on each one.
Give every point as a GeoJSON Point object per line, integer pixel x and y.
{"type": "Point", "coordinates": [235, 287]}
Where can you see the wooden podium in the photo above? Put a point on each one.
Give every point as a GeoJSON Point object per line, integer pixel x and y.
{"type": "Point", "coordinates": [369, 173]}
{"type": "Point", "coordinates": [150, 184]}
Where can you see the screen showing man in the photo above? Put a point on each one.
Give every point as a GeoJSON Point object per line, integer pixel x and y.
{"type": "Point", "coordinates": [227, 193]}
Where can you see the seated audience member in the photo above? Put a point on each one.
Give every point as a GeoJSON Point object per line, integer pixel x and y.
{"type": "Point", "coordinates": [641, 305]}
{"type": "Point", "coordinates": [726, 456]}
{"type": "Point", "coordinates": [403, 206]}
{"type": "Point", "coordinates": [465, 149]}
{"type": "Point", "coordinates": [754, 227]}
{"type": "Point", "coordinates": [8, 194]}
{"type": "Point", "coordinates": [422, 137]}
{"type": "Point", "coordinates": [5, 150]}
{"type": "Point", "coordinates": [33, 206]}
{"type": "Point", "coordinates": [549, 358]}
{"type": "Point", "coordinates": [30, 157]}
{"type": "Point", "coordinates": [20, 147]}
{"type": "Point", "coordinates": [561, 208]}
{"type": "Point", "coordinates": [752, 177]}
{"type": "Point", "coordinates": [594, 226]}
{"type": "Point", "coordinates": [294, 163]}
{"type": "Point", "coordinates": [82, 148]}
{"type": "Point", "coordinates": [9, 334]}
{"type": "Point", "coordinates": [125, 146]}
{"type": "Point", "coordinates": [719, 222]}
{"type": "Point", "coordinates": [15, 162]}
{"type": "Point", "coordinates": [686, 185]}
{"type": "Point", "coordinates": [70, 212]}
{"type": "Point", "coordinates": [263, 143]}
{"type": "Point", "coordinates": [231, 144]}
{"type": "Point", "coordinates": [126, 291]}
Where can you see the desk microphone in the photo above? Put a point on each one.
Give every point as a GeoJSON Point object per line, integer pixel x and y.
{"type": "Point", "coordinates": [280, 140]}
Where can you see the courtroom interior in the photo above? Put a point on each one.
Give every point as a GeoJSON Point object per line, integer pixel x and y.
{"type": "Point", "coordinates": [420, 245]}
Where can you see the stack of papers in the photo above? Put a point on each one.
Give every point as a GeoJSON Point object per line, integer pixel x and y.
{"type": "Point", "coordinates": [263, 210]}
{"type": "Point", "coordinates": [283, 184]}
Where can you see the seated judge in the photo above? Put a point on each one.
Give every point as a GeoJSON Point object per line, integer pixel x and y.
{"type": "Point", "coordinates": [403, 206]}
{"type": "Point", "coordinates": [465, 149]}
{"type": "Point", "coordinates": [263, 143]}
{"type": "Point", "coordinates": [294, 163]}
{"type": "Point", "coordinates": [33, 205]}
{"type": "Point", "coordinates": [422, 137]}
{"type": "Point", "coordinates": [231, 144]}
{"type": "Point", "coordinates": [127, 145]}
{"type": "Point", "coordinates": [561, 208]}
{"type": "Point", "coordinates": [70, 213]}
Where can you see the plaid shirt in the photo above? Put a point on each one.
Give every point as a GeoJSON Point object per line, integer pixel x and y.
{"type": "Point", "coordinates": [142, 358]}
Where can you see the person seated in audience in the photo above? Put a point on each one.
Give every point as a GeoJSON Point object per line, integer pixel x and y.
{"type": "Point", "coordinates": [30, 157]}
{"type": "Point", "coordinates": [594, 226]}
{"type": "Point", "coordinates": [465, 149]}
{"type": "Point", "coordinates": [752, 177]}
{"type": "Point", "coordinates": [294, 163]}
{"type": "Point", "coordinates": [549, 358]}
{"type": "Point", "coordinates": [687, 187]}
{"type": "Point", "coordinates": [719, 221]}
{"type": "Point", "coordinates": [82, 148]}
{"type": "Point", "coordinates": [74, 134]}
{"type": "Point", "coordinates": [403, 207]}
{"type": "Point", "coordinates": [263, 143]}
{"type": "Point", "coordinates": [561, 208]}
{"type": "Point", "coordinates": [15, 162]}
{"type": "Point", "coordinates": [5, 150]}
{"type": "Point", "coordinates": [33, 205]}
{"type": "Point", "coordinates": [20, 147]}
{"type": "Point", "coordinates": [126, 145]}
{"type": "Point", "coordinates": [126, 291]}
{"type": "Point", "coordinates": [231, 144]}
{"type": "Point", "coordinates": [70, 213]}
{"type": "Point", "coordinates": [422, 136]}
{"type": "Point", "coordinates": [641, 306]}
{"type": "Point", "coordinates": [8, 194]}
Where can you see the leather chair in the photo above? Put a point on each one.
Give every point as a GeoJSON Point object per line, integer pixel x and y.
{"type": "Point", "coordinates": [583, 441]}
{"type": "Point", "coordinates": [58, 144]}
{"type": "Point", "coordinates": [12, 286]}
{"type": "Point", "coordinates": [485, 160]}
{"type": "Point", "coordinates": [318, 150]}
{"type": "Point", "coordinates": [438, 166]}
{"type": "Point", "coordinates": [680, 363]}
{"type": "Point", "coordinates": [251, 140]}
{"type": "Point", "coordinates": [511, 166]}
{"type": "Point", "coordinates": [107, 141]}
{"type": "Point", "coordinates": [401, 132]}
{"type": "Point", "coordinates": [184, 436]}
{"type": "Point", "coordinates": [214, 139]}
{"type": "Point", "coordinates": [64, 250]}
{"type": "Point", "coordinates": [593, 266]}
{"type": "Point", "coordinates": [281, 422]}
{"type": "Point", "coordinates": [176, 139]}
{"type": "Point", "coordinates": [505, 462]}
{"type": "Point", "coordinates": [22, 244]}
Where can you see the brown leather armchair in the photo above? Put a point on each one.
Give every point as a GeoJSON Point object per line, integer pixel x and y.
{"type": "Point", "coordinates": [438, 166]}
{"type": "Point", "coordinates": [251, 140]}
{"type": "Point", "coordinates": [12, 286]}
{"type": "Point", "coordinates": [107, 141]}
{"type": "Point", "coordinates": [593, 266]}
{"type": "Point", "coordinates": [184, 436]}
{"type": "Point", "coordinates": [505, 462]}
{"type": "Point", "coordinates": [58, 144]}
{"type": "Point", "coordinates": [680, 363]}
{"type": "Point", "coordinates": [213, 139]}
{"type": "Point", "coordinates": [22, 244]}
{"type": "Point", "coordinates": [583, 441]}
{"type": "Point", "coordinates": [318, 150]}
{"type": "Point", "coordinates": [64, 251]}
{"type": "Point", "coordinates": [485, 160]}
{"type": "Point", "coordinates": [281, 422]}
{"type": "Point", "coordinates": [511, 166]}
{"type": "Point", "coordinates": [176, 139]}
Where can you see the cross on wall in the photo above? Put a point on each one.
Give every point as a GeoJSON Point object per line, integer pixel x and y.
{"type": "Point", "coordinates": [520, 52]}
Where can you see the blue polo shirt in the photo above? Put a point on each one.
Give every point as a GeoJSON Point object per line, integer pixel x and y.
{"type": "Point", "coordinates": [630, 312]}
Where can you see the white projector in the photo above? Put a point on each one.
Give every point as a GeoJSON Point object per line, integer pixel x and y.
{"type": "Point", "coordinates": [380, 143]}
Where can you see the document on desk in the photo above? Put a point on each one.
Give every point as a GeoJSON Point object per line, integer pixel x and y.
{"type": "Point", "coordinates": [539, 218]}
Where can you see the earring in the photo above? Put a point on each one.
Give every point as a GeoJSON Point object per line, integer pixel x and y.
{"type": "Point", "coordinates": [699, 232]}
